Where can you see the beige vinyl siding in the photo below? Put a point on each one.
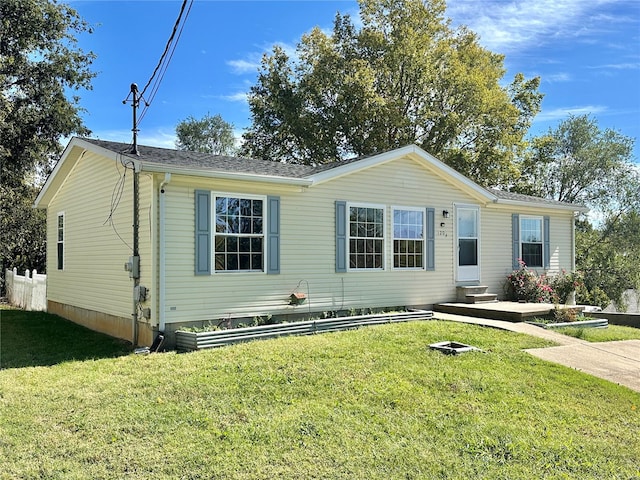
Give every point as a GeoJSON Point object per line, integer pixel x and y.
{"type": "Point", "coordinates": [94, 277]}
{"type": "Point", "coordinates": [308, 248]}
{"type": "Point", "coordinates": [497, 249]}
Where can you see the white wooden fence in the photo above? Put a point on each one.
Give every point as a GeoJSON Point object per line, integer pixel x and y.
{"type": "Point", "coordinates": [28, 292]}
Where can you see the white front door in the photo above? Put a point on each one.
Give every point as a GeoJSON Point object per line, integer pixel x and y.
{"type": "Point", "coordinates": [468, 243]}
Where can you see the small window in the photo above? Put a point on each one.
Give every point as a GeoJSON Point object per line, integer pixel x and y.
{"type": "Point", "coordinates": [531, 246]}
{"type": "Point", "coordinates": [239, 234]}
{"type": "Point", "coordinates": [366, 237]}
{"type": "Point", "coordinates": [408, 238]}
{"type": "Point", "coordinates": [60, 241]}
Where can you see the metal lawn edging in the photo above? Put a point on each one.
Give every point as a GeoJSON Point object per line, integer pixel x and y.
{"type": "Point", "coordinates": [190, 341]}
{"type": "Point", "coordinates": [595, 323]}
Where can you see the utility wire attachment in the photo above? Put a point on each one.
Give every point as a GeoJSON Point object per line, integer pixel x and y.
{"type": "Point", "coordinates": [135, 103]}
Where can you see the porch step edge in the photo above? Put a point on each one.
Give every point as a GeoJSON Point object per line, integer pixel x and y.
{"type": "Point", "coordinates": [481, 298]}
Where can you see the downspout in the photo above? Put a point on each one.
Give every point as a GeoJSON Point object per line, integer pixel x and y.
{"type": "Point", "coordinates": [161, 254]}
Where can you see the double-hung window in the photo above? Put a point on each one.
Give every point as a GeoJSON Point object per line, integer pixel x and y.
{"type": "Point", "coordinates": [408, 238]}
{"type": "Point", "coordinates": [366, 237]}
{"type": "Point", "coordinates": [239, 238]}
{"type": "Point", "coordinates": [531, 241]}
{"type": "Point", "coordinates": [60, 241]}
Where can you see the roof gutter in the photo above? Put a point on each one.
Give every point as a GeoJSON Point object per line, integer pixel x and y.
{"type": "Point", "coordinates": [552, 206]}
{"type": "Point", "coordinates": [246, 177]}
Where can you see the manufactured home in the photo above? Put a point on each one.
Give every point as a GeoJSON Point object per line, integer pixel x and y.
{"type": "Point", "coordinates": [147, 242]}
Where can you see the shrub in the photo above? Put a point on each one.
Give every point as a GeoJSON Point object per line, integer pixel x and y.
{"type": "Point", "coordinates": [525, 285]}
{"type": "Point", "coordinates": [564, 283]}
{"type": "Point", "coordinates": [564, 315]}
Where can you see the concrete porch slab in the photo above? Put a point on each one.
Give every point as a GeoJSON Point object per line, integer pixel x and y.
{"type": "Point", "coordinates": [509, 311]}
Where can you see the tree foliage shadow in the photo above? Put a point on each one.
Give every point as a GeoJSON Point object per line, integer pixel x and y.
{"type": "Point", "coordinates": [32, 339]}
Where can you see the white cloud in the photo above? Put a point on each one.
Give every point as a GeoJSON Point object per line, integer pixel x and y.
{"type": "Point", "coordinates": [511, 26]}
{"type": "Point", "coordinates": [557, 77]}
{"type": "Point", "coordinates": [563, 112]}
{"type": "Point", "coordinates": [619, 66]}
{"type": "Point", "coordinates": [249, 65]}
{"type": "Point", "coordinates": [252, 60]}
{"type": "Point", "coordinates": [236, 97]}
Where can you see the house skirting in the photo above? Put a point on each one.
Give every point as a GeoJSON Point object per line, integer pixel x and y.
{"type": "Point", "coordinates": [118, 327]}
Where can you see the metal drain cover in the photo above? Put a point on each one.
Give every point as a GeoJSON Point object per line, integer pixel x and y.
{"type": "Point", "coordinates": [453, 348]}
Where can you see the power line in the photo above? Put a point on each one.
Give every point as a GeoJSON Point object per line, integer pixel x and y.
{"type": "Point", "coordinates": [165, 58]}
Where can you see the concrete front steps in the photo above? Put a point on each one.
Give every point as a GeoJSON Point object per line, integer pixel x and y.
{"type": "Point", "coordinates": [474, 301]}
{"type": "Point", "coordinates": [475, 294]}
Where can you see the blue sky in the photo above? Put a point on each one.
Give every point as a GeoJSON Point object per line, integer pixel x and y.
{"type": "Point", "coordinates": [587, 53]}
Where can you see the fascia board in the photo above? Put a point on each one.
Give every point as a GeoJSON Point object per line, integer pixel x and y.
{"type": "Point", "coordinates": [548, 206]}
{"type": "Point", "coordinates": [42, 199]}
{"type": "Point", "coordinates": [70, 156]}
{"type": "Point", "coordinates": [246, 177]}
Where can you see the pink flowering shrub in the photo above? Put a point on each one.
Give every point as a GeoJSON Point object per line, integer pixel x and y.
{"type": "Point", "coordinates": [565, 282]}
{"type": "Point", "coordinates": [525, 285]}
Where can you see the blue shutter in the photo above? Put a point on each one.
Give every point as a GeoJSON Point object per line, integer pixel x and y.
{"type": "Point", "coordinates": [546, 249]}
{"type": "Point", "coordinates": [273, 235]}
{"type": "Point", "coordinates": [203, 232]}
{"type": "Point", "coordinates": [431, 239]}
{"type": "Point", "coordinates": [341, 236]}
{"type": "Point", "coordinates": [515, 240]}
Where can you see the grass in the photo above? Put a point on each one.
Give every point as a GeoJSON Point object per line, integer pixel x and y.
{"type": "Point", "coordinates": [29, 339]}
{"type": "Point", "coordinates": [373, 403]}
{"type": "Point", "coordinates": [609, 334]}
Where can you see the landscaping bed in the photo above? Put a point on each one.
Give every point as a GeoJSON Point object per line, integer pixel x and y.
{"type": "Point", "coordinates": [198, 340]}
{"type": "Point", "coordinates": [589, 323]}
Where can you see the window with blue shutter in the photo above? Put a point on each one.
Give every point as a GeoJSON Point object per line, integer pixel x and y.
{"type": "Point", "coordinates": [531, 241]}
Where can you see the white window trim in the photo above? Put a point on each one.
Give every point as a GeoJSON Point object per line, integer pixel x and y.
{"type": "Point", "coordinates": [423, 211]}
{"type": "Point", "coordinates": [384, 235]}
{"type": "Point", "coordinates": [64, 239]}
{"type": "Point", "coordinates": [531, 217]}
{"type": "Point", "coordinates": [214, 233]}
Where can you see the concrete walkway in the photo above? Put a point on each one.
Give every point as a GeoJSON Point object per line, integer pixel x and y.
{"type": "Point", "coordinates": [618, 362]}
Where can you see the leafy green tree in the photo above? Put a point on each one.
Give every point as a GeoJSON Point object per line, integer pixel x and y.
{"type": "Point", "coordinates": [41, 71]}
{"type": "Point", "coordinates": [40, 64]}
{"type": "Point", "coordinates": [207, 135]}
{"type": "Point", "coordinates": [577, 162]}
{"type": "Point", "coordinates": [609, 257]}
{"type": "Point", "coordinates": [406, 76]}
{"type": "Point", "coordinates": [580, 163]}
{"type": "Point", "coordinates": [22, 231]}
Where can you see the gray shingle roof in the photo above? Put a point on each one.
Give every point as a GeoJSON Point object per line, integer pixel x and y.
{"type": "Point", "coordinates": [518, 197]}
{"type": "Point", "coordinates": [223, 163]}
{"type": "Point", "coordinates": [205, 161]}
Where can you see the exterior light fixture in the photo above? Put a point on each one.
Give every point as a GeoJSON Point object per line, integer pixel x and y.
{"type": "Point", "coordinates": [445, 213]}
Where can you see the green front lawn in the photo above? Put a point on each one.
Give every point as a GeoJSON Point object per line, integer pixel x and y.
{"type": "Point", "coordinates": [609, 334]}
{"type": "Point", "coordinates": [373, 403]}
{"type": "Point", "coordinates": [30, 339]}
